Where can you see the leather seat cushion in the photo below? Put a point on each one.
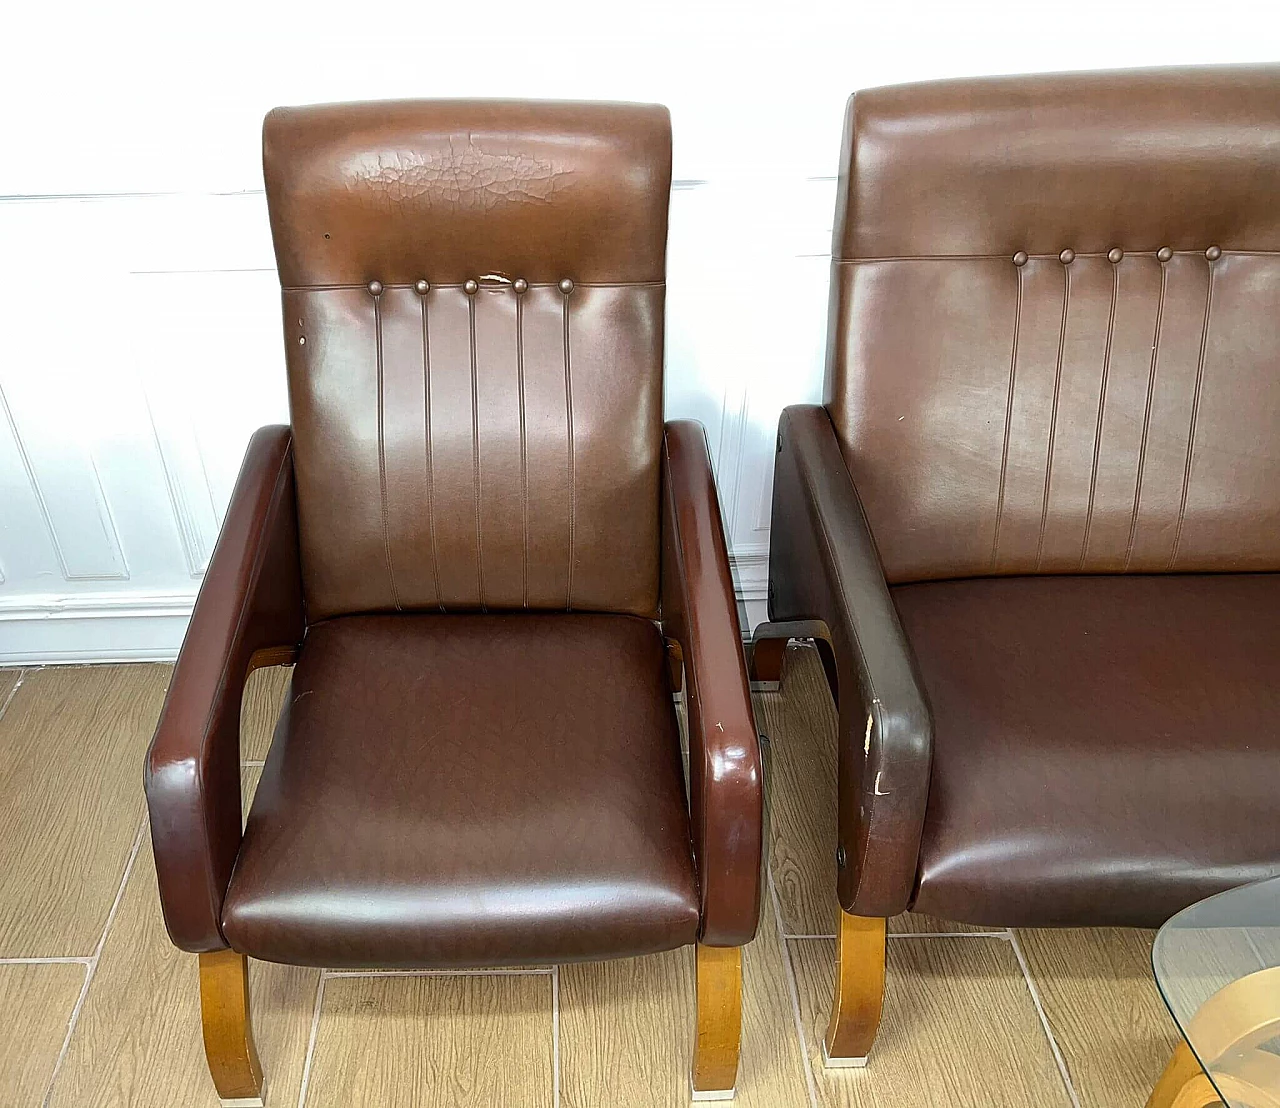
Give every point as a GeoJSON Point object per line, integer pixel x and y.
{"type": "Point", "coordinates": [469, 790]}
{"type": "Point", "coordinates": [1106, 749]}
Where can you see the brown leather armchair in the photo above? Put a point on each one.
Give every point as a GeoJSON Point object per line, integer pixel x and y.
{"type": "Point", "coordinates": [1035, 527]}
{"type": "Point", "coordinates": [492, 563]}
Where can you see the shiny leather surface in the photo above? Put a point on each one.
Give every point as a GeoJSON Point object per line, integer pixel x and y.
{"type": "Point", "coordinates": [249, 611]}
{"type": "Point", "coordinates": [470, 433]}
{"type": "Point", "coordinates": [1073, 413]}
{"type": "Point", "coordinates": [823, 565]}
{"type": "Point", "coordinates": [700, 614]}
{"type": "Point", "coordinates": [453, 790]}
{"type": "Point", "coordinates": [1106, 749]}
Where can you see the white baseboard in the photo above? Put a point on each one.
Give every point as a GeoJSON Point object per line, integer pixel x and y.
{"type": "Point", "coordinates": [148, 627]}
{"type": "Point", "coordinates": [93, 627]}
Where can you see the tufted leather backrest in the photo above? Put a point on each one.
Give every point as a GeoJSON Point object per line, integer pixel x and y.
{"type": "Point", "coordinates": [473, 315]}
{"type": "Point", "coordinates": [1055, 322]}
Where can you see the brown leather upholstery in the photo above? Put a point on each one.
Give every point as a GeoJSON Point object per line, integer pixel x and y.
{"type": "Point", "coordinates": [1105, 749]}
{"type": "Point", "coordinates": [449, 786]}
{"type": "Point", "coordinates": [1051, 351]}
{"type": "Point", "coordinates": [469, 790]}
{"type": "Point", "coordinates": [474, 450]}
{"type": "Point", "coordinates": [249, 613]}
{"type": "Point", "coordinates": [1062, 417]}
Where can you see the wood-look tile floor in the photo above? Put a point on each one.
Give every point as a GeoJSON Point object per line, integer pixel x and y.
{"type": "Point", "coordinates": [98, 1009]}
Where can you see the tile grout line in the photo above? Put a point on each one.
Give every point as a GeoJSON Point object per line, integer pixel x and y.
{"type": "Point", "coordinates": [1044, 1019]}
{"type": "Point", "coordinates": [794, 993]}
{"type": "Point", "coordinates": [22, 676]}
{"type": "Point", "coordinates": [311, 1041]}
{"type": "Point", "coordinates": [91, 967]}
{"type": "Point", "coordinates": [555, 1037]}
{"type": "Point", "coordinates": [68, 960]}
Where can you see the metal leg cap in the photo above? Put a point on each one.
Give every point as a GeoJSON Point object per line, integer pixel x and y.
{"type": "Point", "coordinates": [841, 1063]}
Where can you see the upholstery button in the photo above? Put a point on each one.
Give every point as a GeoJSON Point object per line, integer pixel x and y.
{"type": "Point", "coordinates": [1164, 253]}
{"type": "Point", "coordinates": [1020, 258]}
{"type": "Point", "coordinates": [375, 288]}
{"type": "Point", "coordinates": [1213, 253]}
{"type": "Point", "coordinates": [1067, 257]}
{"type": "Point", "coordinates": [1114, 254]}
{"type": "Point", "coordinates": [520, 285]}
{"type": "Point", "coordinates": [470, 286]}
{"type": "Point", "coordinates": [422, 287]}
{"type": "Point", "coordinates": [566, 286]}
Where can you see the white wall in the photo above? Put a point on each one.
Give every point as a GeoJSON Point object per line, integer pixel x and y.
{"type": "Point", "coordinates": [139, 335]}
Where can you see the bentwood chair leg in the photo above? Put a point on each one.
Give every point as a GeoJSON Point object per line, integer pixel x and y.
{"type": "Point", "coordinates": [1183, 1084]}
{"type": "Point", "coordinates": [228, 1033]}
{"type": "Point", "coordinates": [766, 658]}
{"type": "Point", "coordinates": [715, 1049]}
{"type": "Point", "coordinates": [859, 991]}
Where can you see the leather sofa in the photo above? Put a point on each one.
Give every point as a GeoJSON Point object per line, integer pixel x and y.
{"type": "Point", "coordinates": [1034, 527]}
{"type": "Point", "coordinates": [492, 563]}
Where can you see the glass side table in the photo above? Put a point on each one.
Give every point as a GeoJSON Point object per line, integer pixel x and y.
{"type": "Point", "coordinates": [1217, 964]}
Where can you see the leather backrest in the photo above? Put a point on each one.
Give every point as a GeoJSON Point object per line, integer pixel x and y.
{"type": "Point", "coordinates": [473, 314]}
{"type": "Point", "coordinates": [1055, 322]}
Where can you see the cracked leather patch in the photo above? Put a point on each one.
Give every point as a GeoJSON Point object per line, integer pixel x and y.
{"type": "Point", "coordinates": [463, 175]}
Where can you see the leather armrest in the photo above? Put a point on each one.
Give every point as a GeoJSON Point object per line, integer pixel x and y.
{"type": "Point", "coordinates": [823, 565]}
{"type": "Point", "coordinates": [249, 612]}
{"type": "Point", "coordinates": [700, 613]}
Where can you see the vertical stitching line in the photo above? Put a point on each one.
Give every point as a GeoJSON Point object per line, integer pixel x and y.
{"type": "Point", "coordinates": [1146, 418]}
{"type": "Point", "coordinates": [431, 469]}
{"type": "Point", "coordinates": [475, 449]}
{"type": "Point", "coordinates": [573, 489]}
{"type": "Point", "coordinates": [524, 444]}
{"type": "Point", "coordinates": [1008, 417]}
{"type": "Point", "coordinates": [1053, 412]}
{"type": "Point", "coordinates": [1195, 412]}
{"type": "Point", "coordinates": [382, 456]}
{"type": "Point", "coordinates": [1102, 404]}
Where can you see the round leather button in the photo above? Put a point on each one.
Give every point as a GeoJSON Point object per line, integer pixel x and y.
{"type": "Point", "coordinates": [565, 285]}
{"type": "Point", "coordinates": [470, 286]}
{"type": "Point", "coordinates": [1114, 254]}
{"type": "Point", "coordinates": [1164, 253]}
{"type": "Point", "coordinates": [520, 285]}
{"type": "Point", "coordinates": [1020, 258]}
{"type": "Point", "coordinates": [375, 288]}
{"type": "Point", "coordinates": [422, 287]}
{"type": "Point", "coordinates": [1067, 257]}
{"type": "Point", "coordinates": [1213, 253]}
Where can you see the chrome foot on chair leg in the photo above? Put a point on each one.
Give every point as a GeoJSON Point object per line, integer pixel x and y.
{"type": "Point", "coordinates": [245, 1101]}
{"type": "Point", "coordinates": [712, 1094]}
{"type": "Point", "coordinates": [842, 1063]}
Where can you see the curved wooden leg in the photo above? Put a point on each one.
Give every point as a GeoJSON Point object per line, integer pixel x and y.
{"type": "Point", "coordinates": [715, 1050]}
{"type": "Point", "coordinates": [766, 657]}
{"type": "Point", "coordinates": [228, 1033]}
{"type": "Point", "coordinates": [859, 991]}
{"type": "Point", "coordinates": [1183, 1084]}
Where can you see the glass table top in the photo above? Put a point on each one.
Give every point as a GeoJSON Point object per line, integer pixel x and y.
{"type": "Point", "coordinates": [1217, 964]}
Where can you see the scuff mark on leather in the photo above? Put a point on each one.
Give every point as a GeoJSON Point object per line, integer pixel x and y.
{"type": "Point", "coordinates": [461, 175]}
